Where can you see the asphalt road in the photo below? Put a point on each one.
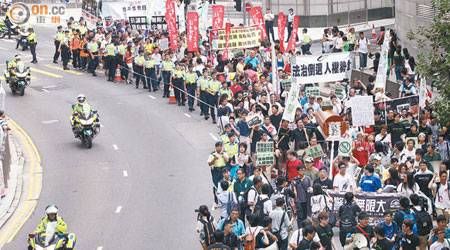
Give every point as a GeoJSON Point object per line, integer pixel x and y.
{"type": "Point", "coordinates": [162, 148]}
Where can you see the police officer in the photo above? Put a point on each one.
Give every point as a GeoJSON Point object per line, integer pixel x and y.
{"type": "Point", "coordinates": [139, 68]}
{"type": "Point", "coordinates": [110, 60]}
{"type": "Point", "coordinates": [306, 42]}
{"type": "Point", "coordinates": [225, 90]}
{"type": "Point", "coordinates": [92, 48]}
{"type": "Point", "coordinates": [167, 66]}
{"type": "Point", "coordinates": [8, 23]}
{"type": "Point", "coordinates": [191, 85]}
{"type": "Point", "coordinates": [178, 82]}
{"type": "Point", "coordinates": [203, 92]}
{"type": "Point", "coordinates": [150, 73]}
{"type": "Point", "coordinates": [214, 86]}
{"type": "Point", "coordinates": [232, 147]}
{"type": "Point", "coordinates": [120, 57]}
{"type": "Point", "coordinates": [64, 47]}
{"type": "Point", "coordinates": [217, 161]}
{"type": "Point", "coordinates": [58, 37]}
{"type": "Point", "coordinates": [82, 28]}
{"type": "Point", "coordinates": [32, 41]}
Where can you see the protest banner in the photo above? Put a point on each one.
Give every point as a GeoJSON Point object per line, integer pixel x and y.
{"type": "Point", "coordinates": [227, 39]}
{"type": "Point", "coordinates": [372, 203]}
{"type": "Point", "coordinates": [286, 83]}
{"type": "Point", "coordinates": [345, 147]}
{"type": "Point", "coordinates": [383, 64]}
{"type": "Point", "coordinates": [339, 92]}
{"type": "Point", "coordinates": [258, 20]}
{"type": "Point", "coordinates": [282, 19]}
{"type": "Point", "coordinates": [292, 102]}
{"type": "Point", "coordinates": [192, 31]}
{"type": "Point", "coordinates": [138, 22]}
{"type": "Point", "coordinates": [255, 120]}
{"type": "Point", "coordinates": [203, 17]}
{"type": "Point", "coordinates": [264, 153]}
{"type": "Point", "coordinates": [218, 12]}
{"type": "Point", "coordinates": [171, 20]}
{"type": "Point", "coordinates": [240, 38]}
{"type": "Point", "coordinates": [412, 101]}
{"type": "Point", "coordinates": [314, 151]}
{"type": "Point", "coordinates": [164, 44]}
{"type": "Point", "coordinates": [293, 38]}
{"type": "Point", "coordinates": [315, 91]}
{"type": "Point", "coordinates": [322, 68]}
{"type": "Point", "coordinates": [362, 111]}
{"type": "Point", "coordinates": [423, 93]}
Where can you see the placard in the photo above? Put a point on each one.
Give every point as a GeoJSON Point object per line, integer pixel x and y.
{"type": "Point", "coordinates": [255, 120]}
{"type": "Point", "coordinates": [334, 129]}
{"type": "Point", "coordinates": [362, 111]}
{"type": "Point", "coordinates": [339, 92]}
{"type": "Point", "coordinates": [291, 103]}
{"type": "Point", "coordinates": [240, 37]}
{"type": "Point", "coordinates": [345, 147]}
{"type": "Point", "coordinates": [286, 83]}
{"type": "Point", "coordinates": [312, 91]}
{"type": "Point", "coordinates": [164, 44]}
{"type": "Point", "coordinates": [322, 68]}
{"type": "Point", "coordinates": [314, 151]}
{"type": "Point", "coordinates": [159, 23]}
{"type": "Point", "coordinates": [138, 22]}
{"type": "Point", "coordinates": [264, 153]}
{"type": "Point", "coordinates": [413, 102]}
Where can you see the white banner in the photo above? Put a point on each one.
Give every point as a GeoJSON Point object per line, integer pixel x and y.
{"type": "Point", "coordinates": [383, 64]}
{"type": "Point", "coordinates": [323, 68]}
{"type": "Point", "coordinates": [124, 10]}
{"type": "Point", "coordinates": [292, 102]}
{"type": "Point", "coordinates": [362, 111]}
{"type": "Point", "coordinates": [203, 18]}
{"type": "Point", "coordinates": [423, 93]}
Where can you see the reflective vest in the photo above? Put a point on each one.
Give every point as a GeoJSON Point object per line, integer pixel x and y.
{"type": "Point", "coordinates": [219, 162]}
{"type": "Point", "coordinates": [110, 50]}
{"type": "Point", "coordinates": [93, 46]}
{"type": "Point", "coordinates": [228, 92]}
{"type": "Point", "coordinates": [167, 65]}
{"type": "Point", "coordinates": [178, 74]}
{"type": "Point", "coordinates": [351, 38]}
{"type": "Point", "coordinates": [122, 49]}
{"type": "Point", "coordinates": [231, 149]}
{"type": "Point", "coordinates": [82, 29]}
{"type": "Point", "coordinates": [225, 139]}
{"type": "Point", "coordinates": [139, 60]}
{"type": "Point", "coordinates": [214, 86]}
{"type": "Point", "coordinates": [150, 64]}
{"type": "Point", "coordinates": [203, 83]}
{"type": "Point", "coordinates": [59, 36]}
{"type": "Point", "coordinates": [32, 38]}
{"type": "Point", "coordinates": [190, 77]}
{"type": "Point", "coordinates": [65, 41]}
{"type": "Point", "coordinates": [306, 38]}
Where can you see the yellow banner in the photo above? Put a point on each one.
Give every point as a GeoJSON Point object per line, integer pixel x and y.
{"type": "Point", "coordinates": [240, 38]}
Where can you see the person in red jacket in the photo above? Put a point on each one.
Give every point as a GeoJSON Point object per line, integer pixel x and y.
{"type": "Point", "coordinates": [291, 164]}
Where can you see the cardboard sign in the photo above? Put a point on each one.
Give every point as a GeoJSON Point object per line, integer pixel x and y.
{"type": "Point", "coordinates": [322, 68]}
{"type": "Point", "coordinates": [255, 120]}
{"type": "Point", "coordinates": [339, 92]}
{"type": "Point", "coordinates": [286, 83]}
{"type": "Point", "coordinates": [362, 111]}
{"type": "Point", "coordinates": [164, 44]}
{"type": "Point", "coordinates": [264, 153]}
{"type": "Point", "coordinates": [345, 147]}
{"type": "Point", "coordinates": [416, 141]}
{"type": "Point", "coordinates": [314, 151]}
{"type": "Point", "coordinates": [138, 22]}
{"type": "Point", "coordinates": [312, 91]}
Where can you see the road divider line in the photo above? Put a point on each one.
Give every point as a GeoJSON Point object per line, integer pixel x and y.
{"type": "Point", "coordinates": [59, 68]}
{"type": "Point", "coordinates": [49, 87]}
{"type": "Point", "coordinates": [115, 147]}
{"type": "Point", "coordinates": [212, 136]}
{"type": "Point", "coordinates": [100, 248]}
{"type": "Point", "coordinates": [125, 173]}
{"type": "Point", "coordinates": [101, 125]}
{"type": "Point", "coordinates": [50, 121]}
{"type": "Point", "coordinates": [46, 73]}
{"type": "Point", "coordinates": [118, 209]}
{"type": "Point", "coordinates": [46, 91]}
{"type": "Point", "coordinates": [152, 97]}
{"type": "Point", "coordinates": [188, 115]}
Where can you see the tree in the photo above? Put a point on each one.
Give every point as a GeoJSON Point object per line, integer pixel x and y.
{"type": "Point", "coordinates": [434, 61]}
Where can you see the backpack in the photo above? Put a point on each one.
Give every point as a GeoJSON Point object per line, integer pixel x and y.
{"type": "Point", "coordinates": [410, 216]}
{"type": "Point", "coordinates": [230, 204]}
{"type": "Point", "coordinates": [250, 241]}
{"type": "Point", "coordinates": [424, 223]}
{"type": "Point", "coordinates": [209, 229]}
{"type": "Point", "coordinates": [259, 209]}
{"type": "Point", "coordinates": [245, 200]}
{"type": "Point", "coordinates": [316, 206]}
{"type": "Point", "coordinates": [348, 217]}
{"type": "Point", "coordinates": [438, 185]}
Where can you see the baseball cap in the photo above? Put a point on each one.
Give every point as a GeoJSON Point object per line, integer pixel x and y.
{"type": "Point", "coordinates": [309, 160]}
{"type": "Point", "coordinates": [377, 157]}
{"type": "Point", "coordinates": [219, 143]}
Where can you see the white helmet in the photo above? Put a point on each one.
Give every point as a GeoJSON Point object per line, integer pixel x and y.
{"type": "Point", "coordinates": [17, 57]}
{"type": "Point", "coordinates": [81, 98]}
{"type": "Point", "coordinates": [51, 209]}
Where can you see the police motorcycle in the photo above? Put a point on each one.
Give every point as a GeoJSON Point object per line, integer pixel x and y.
{"type": "Point", "coordinates": [4, 29]}
{"type": "Point", "coordinates": [51, 240]}
{"type": "Point", "coordinates": [85, 125]}
{"type": "Point", "coordinates": [18, 77]}
{"type": "Point", "coordinates": [23, 37]}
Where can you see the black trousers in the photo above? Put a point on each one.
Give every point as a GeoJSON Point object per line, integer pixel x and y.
{"type": "Point", "coordinates": [111, 65]}
{"type": "Point", "coordinates": [65, 55]}
{"type": "Point", "coordinates": [56, 55]}
{"type": "Point", "coordinates": [269, 30]}
{"type": "Point", "coordinates": [33, 51]}
{"type": "Point", "coordinates": [178, 88]}
{"type": "Point", "coordinates": [289, 27]}
{"type": "Point", "coordinates": [93, 63]}
{"type": "Point", "coordinates": [76, 62]}
{"type": "Point", "coordinates": [140, 76]}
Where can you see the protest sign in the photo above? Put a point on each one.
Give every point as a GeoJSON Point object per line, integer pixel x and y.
{"type": "Point", "coordinates": [203, 17]}
{"type": "Point", "coordinates": [362, 111]}
{"type": "Point", "coordinates": [416, 141]}
{"type": "Point", "coordinates": [159, 23]}
{"type": "Point", "coordinates": [291, 103]}
{"type": "Point", "coordinates": [164, 44]}
{"type": "Point", "coordinates": [255, 120]}
{"type": "Point", "coordinates": [339, 92]}
{"type": "Point", "coordinates": [264, 153]}
{"type": "Point", "coordinates": [171, 20]}
{"type": "Point", "coordinates": [293, 37]}
{"type": "Point", "coordinates": [312, 91]}
{"type": "Point", "coordinates": [423, 93]}
{"type": "Point", "coordinates": [138, 22]}
{"type": "Point", "coordinates": [412, 101]}
{"type": "Point", "coordinates": [192, 31]}
{"type": "Point", "coordinates": [286, 83]}
{"type": "Point", "coordinates": [345, 147]}
{"type": "Point", "coordinates": [436, 165]}
{"type": "Point", "coordinates": [258, 20]}
{"type": "Point", "coordinates": [240, 37]}
{"type": "Point", "coordinates": [383, 64]}
{"type": "Point", "coordinates": [282, 20]}
{"type": "Point", "coordinates": [218, 12]}
{"type": "Point", "coordinates": [334, 129]}
{"type": "Point", "coordinates": [314, 151]}
{"type": "Point", "coordinates": [322, 68]}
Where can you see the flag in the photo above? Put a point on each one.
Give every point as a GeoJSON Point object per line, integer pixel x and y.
{"type": "Point", "coordinates": [281, 28]}
{"type": "Point", "coordinates": [258, 20]}
{"type": "Point", "coordinates": [192, 31]}
{"type": "Point", "coordinates": [172, 24]}
{"type": "Point", "coordinates": [293, 38]}
{"type": "Point", "coordinates": [218, 12]}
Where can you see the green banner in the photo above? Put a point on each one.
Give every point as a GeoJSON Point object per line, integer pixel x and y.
{"type": "Point", "coordinates": [314, 151]}
{"type": "Point", "coordinates": [339, 92]}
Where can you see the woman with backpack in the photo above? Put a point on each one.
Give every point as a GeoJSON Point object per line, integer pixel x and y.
{"type": "Point", "coordinates": [318, 203]}
{"type": "Point", "coordinates": [254, 234]}
{"type": "Point", "coordinates": [206, 226]}
{"type": "Point", "coordinates": [393, 180]}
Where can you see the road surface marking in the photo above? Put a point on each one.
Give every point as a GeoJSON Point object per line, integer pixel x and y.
{"type": "Point", "coordinates": [188, 115]}
{"type": "Point", "coordinates": [9, 41]}
{"type": "Point", "coordinates": [101, 125]}
{"type": "Point", "coordinates": [49, 121]}
{"type": "Point", "coordinates": [100, 248]}
{"type": "Point", "coordinates": [125, 173]}
{"type": "Point", "coordinates": [46, 91]}
{"type": "Point", "coordinates": [152, 97]}
{"type": "Point", "coordinates": [212, 136]}
{"type": "Point", "coordinates": [118, 209]}
{"type": "Point", "coordinates": [46, 73]}
{"type": "Point", "coordinates": [4, 49]}
{"type": "Point", "coordinates": [115, 147]}
{"type": "Point", "coordinates": [59, 68]}
{"type": "Point", "coordinates": [48, 87]}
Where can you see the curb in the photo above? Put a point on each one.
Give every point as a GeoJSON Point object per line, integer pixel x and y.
{"type": "Point", "coordinates": [17, 160]}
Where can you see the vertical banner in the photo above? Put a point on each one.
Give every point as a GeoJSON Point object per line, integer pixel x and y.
{"type": "Point", "coordinates": [203, 18]}
{"type": "Point", "coordinates": [258, 20]}
{"type": "Point", "coordinates": [227, 39]}
{"type": "Point", "coordinates": [281, 28]}
{"type": "Point", "coordinates": [293, 38]}
{"type": "Point", "coordinates": [172, 24]}
{"type": "Point", "coordinates": [192, 31]}
{"type": "Point", "coordinates": [423, 93]}
{"type": "Point", "coordinates": [383, 65]}
{"type": "Point", "coordinates": [181, 17]}
{"type": "Point", "coordinates": [275, 77]}
{"type": "Point", "coordinates": [218, 12]}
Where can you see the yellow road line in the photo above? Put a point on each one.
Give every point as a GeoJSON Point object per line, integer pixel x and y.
{"type": "Point", "coordinates": [34, 179]}
{"type": "Point", "coordinates": [45, 73]}
{"type": "Point", "coordinates": [59, 68]}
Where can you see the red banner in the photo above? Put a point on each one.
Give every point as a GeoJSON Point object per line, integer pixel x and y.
{"type": "Point", "coordinates": [293, 38]}
{"type": "Point", "coordinates": [218, 12]}
{"type": "Point", "coordinates": [258, 20]}
{"type": "Point", "coordinates": [171, 20]}
{"type": "Point", "coordinates": [281, 28]}
{"type": "Point", "coordinates": [227, 38]}
{"type": "Point", "coordinates": [192, 31]}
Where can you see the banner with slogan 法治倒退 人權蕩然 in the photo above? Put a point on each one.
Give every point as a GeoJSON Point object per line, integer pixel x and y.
{"type": "Point", "coordinates": [322, 68]}
{"type": "Point", "coordinates": [240, 38]}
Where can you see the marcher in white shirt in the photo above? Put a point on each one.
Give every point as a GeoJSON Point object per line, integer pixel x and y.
{"type": "Point", "coordinates": [343, 182]}
{"type": "Point", "coordinates": [441, 193]}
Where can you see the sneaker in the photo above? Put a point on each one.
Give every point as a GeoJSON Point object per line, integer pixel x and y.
{"type": "Point", "coordinates": [214, 121]}
{"type": "Point", "coordinates": [55, 62]}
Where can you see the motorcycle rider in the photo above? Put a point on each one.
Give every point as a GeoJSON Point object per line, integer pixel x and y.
{"type": "Point", "coordinates": [78, 108]}
{"type": "Point", "coordinates": [23, 34]}
{"type": "Point", "coordinates": [12, 65]}
{"type": "Point", "coordinates": [52, 216]}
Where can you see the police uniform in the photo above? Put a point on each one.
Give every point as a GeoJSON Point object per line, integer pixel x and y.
{"type": "Point", "coordinates": [120, 59]}
{"type": "Point", "coordinates": [139, 62]}
{"type": "Point", "coordinates": [167, 67]}
{"type": "Point", "coordinates": [226, 91]}
{"type": "Point", "coordinates": [203, 85]}
{"type": "Point", "coordinates": [58, 37]}
{"type": "Point", "coordinates": [110, 60]}
{"type": "Point", "coordinates": [150, 73]}
{"type": "Point", "coordinates": [232, 149]}
{"type": "Point", "coordinates": [191, 85]}
{"type": "Point", "coordinates": [65, 51]}
{"type": "Point", "coordinates": [178, 78]}
{"type": "Point", "coordinates": [218, 166]}
{"type": "Point", "coordinates": [214, 86]}
{"type": "Point", "coordinates": [92, 46]}
{"type": "Point", "coordinates": [306, 44]}
{"type": "Point", "coordinates": [32, 41]}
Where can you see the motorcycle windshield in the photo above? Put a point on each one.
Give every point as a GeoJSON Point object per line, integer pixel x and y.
{"type": "Point", "coordinates": [20, 67]}
{"type": "Point", "coordinates": [86, 112]}
{"type": "Point", "coordinates": [50, 232]}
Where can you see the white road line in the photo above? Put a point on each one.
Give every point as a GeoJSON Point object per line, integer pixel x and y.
{"type": "Point", "coordinates": [49, 121]}
{"type": "Point", "coordinates": [115, 147]}
{"type": "Point", "coordinates": [118, 209]}
{"type": "Point", "coordinates": [4, 49]}
{"type": "Point", "coordinates": [152, 97]}
{"type": "Point", "coordinates": [125, 173]}
{"type": "Point", "coordinates": [212, 136]}
{"type": "Point", "coordinates": [9, 41]}
{"type": "Point", "coordinates": [46, 91]}
{"type": "Point", "coordinates": [48, 87]}
{"type": "Point", "coordinates": [100, 248]}
{"type": "Point", "coordinates": [188, 115]}
{"type": "Point", "coordinates": [101, 125]}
